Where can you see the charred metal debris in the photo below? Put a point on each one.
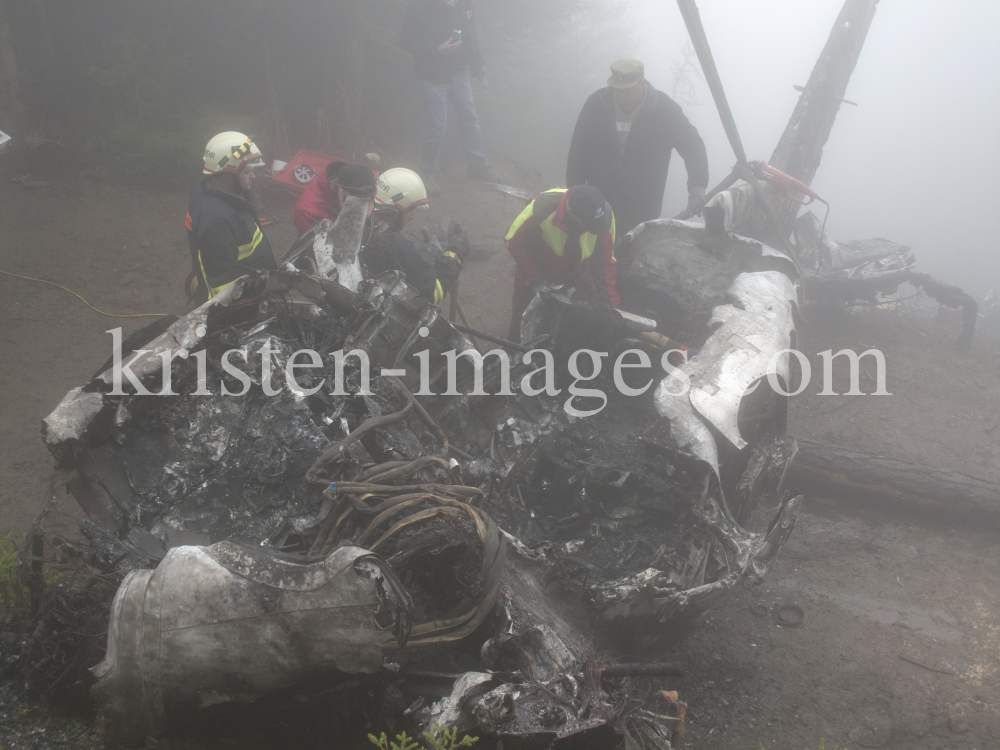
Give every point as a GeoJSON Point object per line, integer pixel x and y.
{"type": "Point", "coordinates": [463, 556]}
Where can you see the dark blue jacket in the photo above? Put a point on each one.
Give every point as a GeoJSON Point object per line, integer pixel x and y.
{"type": "Point", "coordinates": [394, 251]}
{"type": "Point", "coordinates": [633, 182]}
{"type": "Point", "coordinates": [225, 239]}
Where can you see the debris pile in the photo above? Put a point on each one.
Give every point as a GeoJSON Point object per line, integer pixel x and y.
{"type": "Point", "coordinates": [280, 521]}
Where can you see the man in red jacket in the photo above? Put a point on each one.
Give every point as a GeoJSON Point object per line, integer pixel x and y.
{"type": "Point", "coordinates": [563, 237]}
{"type": "Point", "coordinates": [320, 200]}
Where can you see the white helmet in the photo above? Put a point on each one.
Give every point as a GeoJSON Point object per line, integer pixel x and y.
{"type": "Point", "coordinates": [229, 151]}
{"type": "Point", "coordinates": [400, 188]}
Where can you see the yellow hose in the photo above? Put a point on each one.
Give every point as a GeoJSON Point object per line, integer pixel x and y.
{"type": "Point", "coordinates": [110, 315]}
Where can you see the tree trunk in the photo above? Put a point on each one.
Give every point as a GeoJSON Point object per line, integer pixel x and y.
{"type": "Point", "coordinates": [344, 74]}
{"type": "Point", "coordinates": [10, 98]}
{"type": "Point", "coordinates": [46, 54]}
{"type": "Point", "coordinates": [279, 133]}
{"type": "Point", "coordinates": [866, 477]}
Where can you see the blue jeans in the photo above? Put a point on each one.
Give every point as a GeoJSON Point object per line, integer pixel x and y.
{"type": "Point", "coordinates": [436, 96]}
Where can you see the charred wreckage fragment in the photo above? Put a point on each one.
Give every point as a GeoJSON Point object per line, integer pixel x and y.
{"type": "Point", "coordinates": [468, 551]}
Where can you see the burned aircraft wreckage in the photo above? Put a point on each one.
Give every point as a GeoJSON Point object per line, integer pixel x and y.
{"type": "Point", "coordinates": [274, 537]}
{"type": "Point", "coordinates": [422, 523]}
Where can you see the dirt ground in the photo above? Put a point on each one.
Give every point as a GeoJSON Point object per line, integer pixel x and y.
{"type": "Point", "coordinates": [900, 643]}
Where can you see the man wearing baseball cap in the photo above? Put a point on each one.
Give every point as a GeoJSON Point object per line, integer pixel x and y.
{"type": "Point", "coordinates": [563, 237]}
{"type": "Point", "coordinates": [622, 145]}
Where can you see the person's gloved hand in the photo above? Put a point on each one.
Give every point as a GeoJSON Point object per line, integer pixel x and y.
{"type": "Point", "coordinates": [458, 243]}
{"type": "Point", "coordinates": [696, 200]}
{"type": "Point", "coordinates": [449, 264]}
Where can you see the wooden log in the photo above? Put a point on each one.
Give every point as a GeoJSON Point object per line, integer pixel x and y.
{"type": "Point", "coordinates": [856, 475]}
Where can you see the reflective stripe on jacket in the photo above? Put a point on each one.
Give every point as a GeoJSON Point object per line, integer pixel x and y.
{"type": "Point", "coordinates": [225, 238]}
{"type": "Point", "coordinates": [545, 248]}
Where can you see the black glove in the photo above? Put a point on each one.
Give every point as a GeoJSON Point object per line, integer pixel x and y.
{"type": "Point", "coordinates": [448, 266]}
{"type": "Point", "coordinates": [458, 243]}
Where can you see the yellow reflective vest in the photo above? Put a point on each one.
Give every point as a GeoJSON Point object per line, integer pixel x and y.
{"type": "Point", "coordinates": [540, 243]}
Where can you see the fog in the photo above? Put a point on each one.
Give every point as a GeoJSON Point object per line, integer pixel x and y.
{"type": "Point", "coordinates": [913, 162]}
{"type": "Point", "coordinates": [621, 522]}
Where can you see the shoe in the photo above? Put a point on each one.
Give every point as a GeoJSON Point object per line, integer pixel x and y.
{"type": "Point", "coordinates": [485, 173]}
{"type": "Point", "coordinates": [432, 186]}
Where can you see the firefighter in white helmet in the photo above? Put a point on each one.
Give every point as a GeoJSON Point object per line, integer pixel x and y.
{"type": "Point", "coordinates": [399, 193]}
{"type": "Point", "coordinates": [223, 230]}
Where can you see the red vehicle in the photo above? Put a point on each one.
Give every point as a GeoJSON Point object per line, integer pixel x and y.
{"type": "Point", "coordinates": [303, 168]}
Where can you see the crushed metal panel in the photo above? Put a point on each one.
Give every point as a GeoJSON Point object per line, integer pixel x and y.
{"type": "Point", "coordinates": [688, 430]}
{"type": "Point", "coordinates": [212, 625]}
{"type": "Point", "coordinates": [742, 348]}
{"type": "Point", "coordinates": [182, 335]}
{"type": "Point", "coordinates": [551, 694]}
{"type": "Point", "coordinates": [338, 243]}
{"type": "Point", "coordinates": [68, 423]}
{"type": "Point", "coordinates": [83, 408]}
{"type": "Point", "coordinates": [679, 272]}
